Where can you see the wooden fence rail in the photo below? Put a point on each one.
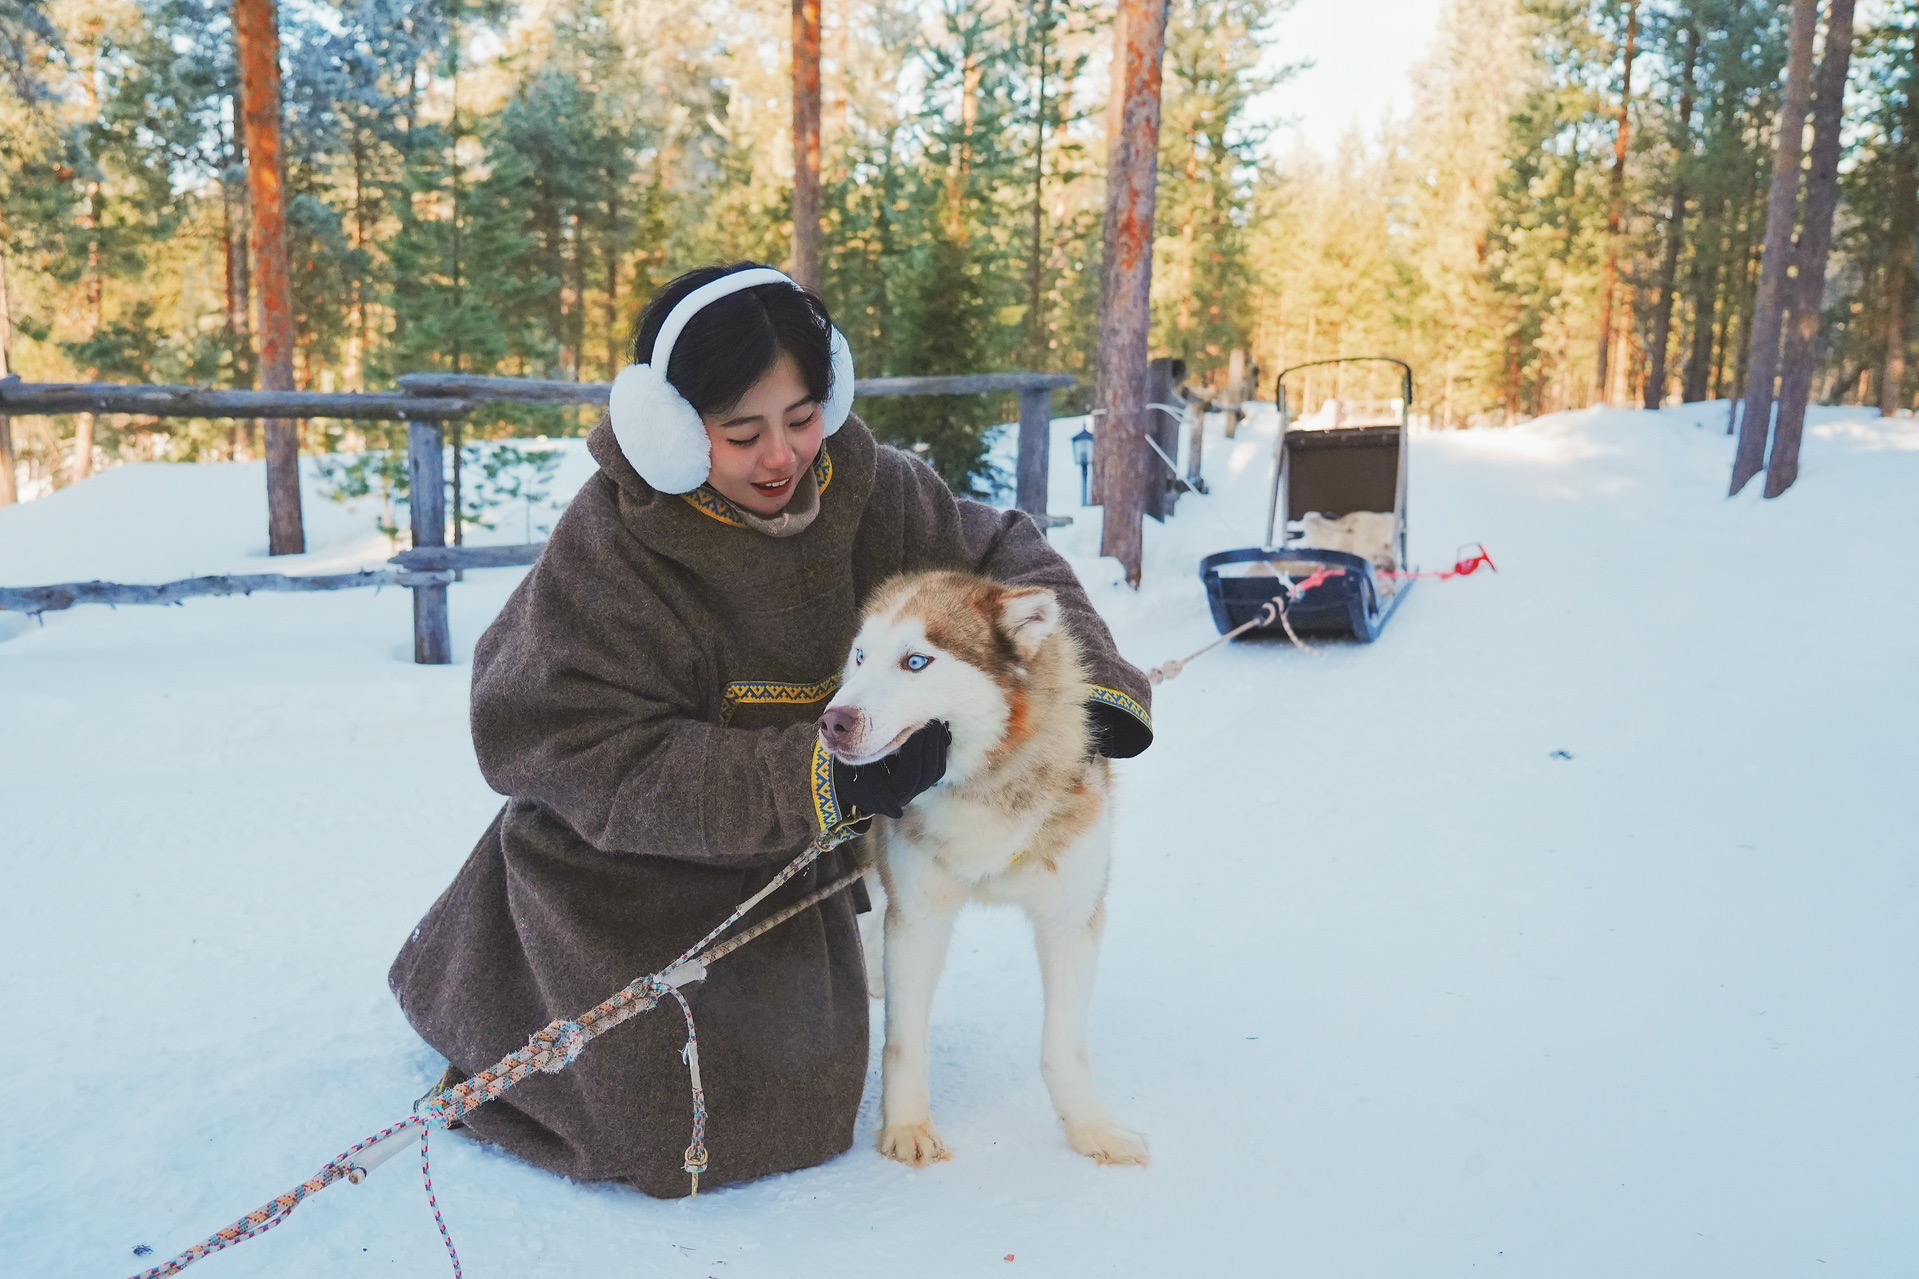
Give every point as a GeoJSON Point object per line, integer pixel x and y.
{"type": "Point", "coordinates": [1035, 392]}
{"type": "Point", "coordinates": [439, 559]}
{"type": "Point", "coordinates": [52, 599]}
{"type": "Point", "coordinates": [19, 398]}
{"type": "Point", "coordinates": [426, 402]}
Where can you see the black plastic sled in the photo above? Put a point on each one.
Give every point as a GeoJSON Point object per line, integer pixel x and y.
{"type": "Point", "coordinates": [1323, 474]}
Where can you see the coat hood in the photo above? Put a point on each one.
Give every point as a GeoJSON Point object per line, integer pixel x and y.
{"type": "Point", "coordinates": [705, 535]}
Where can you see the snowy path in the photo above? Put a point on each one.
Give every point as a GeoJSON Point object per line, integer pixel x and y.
{"type": "Point", "coordinates": [1393, 991]}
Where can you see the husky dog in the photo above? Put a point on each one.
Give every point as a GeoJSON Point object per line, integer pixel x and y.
{"type": "Point", "coordinates": [1020, 817]}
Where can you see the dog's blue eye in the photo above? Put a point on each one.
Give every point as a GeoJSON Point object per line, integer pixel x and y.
{"type": "Point", "coordinates": [859, 657]}
{"type": "Point", "coordinates": [917, 662]}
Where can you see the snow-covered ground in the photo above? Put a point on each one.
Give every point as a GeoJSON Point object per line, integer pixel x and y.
{"type": "Point", "coordinates": [1393, 988]}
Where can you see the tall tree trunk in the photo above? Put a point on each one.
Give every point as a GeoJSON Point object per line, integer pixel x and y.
{"type": "Point", "coordinates": [1809, 286]}
{"type": "Point", "coordinates": [1707, 256]}
{"type": "Point", "coordinates": [806, 142]}
{"type": "Point", "coordinates": [1616, 210]}
{"type": "Point", "coordinates": [1768, 311]}
{"type": "Point", "coordinates": [1630, 374]}
{"type": "Point", "coordinates": [612, 253]}
{"type": "Point", "coordinates": [1675, 233]}
{"type": "Point", "coordinates": [573, 297]}
{"type": "Point", "coordinates": [1705, 301]}
{"type": "Point", "coordinates": [9, 479]}
{"type": "Point", "coordinates": [83, 423]}
{"type": "Point", "coordinates": [356, 347]}
{"type": "Point", "coordinates": [405, 206]}
{"type": "Point", "coordinates": [1123, 466]}
{"type": "Point", "coordinates": [1512, 372]}
{"type": "Point", "coordinates": [235, 230]}
{"type": "Point", "coordinates": [92, 284]}
{"type": "Point", "coordinates": [1898, 295]}
{"type": "Point", "coordinates": [1185, 320]}
{"type": "Point", "coordinates": [95, 290]}
{"type": "Point", "coordinates": [1899, 263]}
{"type": "Point", "coordinates": [958, 177]}
{"type": "Point", "coordinates": [1739, 298]}
{"type": "Point", "coordinates": [256, 32]}
{"type": "Point", "coordinates": [457, 269]}
{"type": "Point", "coordinates": [1036, 305]}
{"type": "Point", "coordinates": [843, 80]}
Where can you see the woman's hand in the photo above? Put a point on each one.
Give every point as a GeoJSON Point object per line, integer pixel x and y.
{"type": "Point", "coordinates": [887, 786]}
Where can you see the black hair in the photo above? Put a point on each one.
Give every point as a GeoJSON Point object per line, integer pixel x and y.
{"type": "Point", "coordinates": [728, 345]}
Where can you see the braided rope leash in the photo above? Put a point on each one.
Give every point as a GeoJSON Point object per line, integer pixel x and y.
{"type": "Point", "coordinates": [1273, 610]}
{"type": "Point", "coordinates": [550, 1050]}
{"type": "Point", "coordinates": [1170, 670]}
{"type": "Point", "coordinates": [432, 1201]}
{"type": "Point", "coordinates": [279, 1208]}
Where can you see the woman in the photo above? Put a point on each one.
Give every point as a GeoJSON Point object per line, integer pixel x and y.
{"type": "Point", "coordinates": [647, 702]}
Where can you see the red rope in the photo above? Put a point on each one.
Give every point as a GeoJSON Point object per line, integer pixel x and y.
{"type": "Point", "coordinates": [1463, 566]}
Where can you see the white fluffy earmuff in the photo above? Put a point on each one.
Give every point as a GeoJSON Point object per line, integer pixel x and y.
{"type": "Point", "coordinates": [660, 433]}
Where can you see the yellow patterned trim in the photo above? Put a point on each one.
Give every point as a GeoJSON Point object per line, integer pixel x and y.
{"type": "Point", "coordinates": [764, 693]}
{"type": "Point", "coordinates": [711, 504]}
{"type": "Point", "coordinates": [826, 805]}
{"type": "Point", "coordinates": [823, 470]}
{"type": "Point", "coordinates": [708, 503]}
{"type": "Point", "coordinates": [1113, 697]}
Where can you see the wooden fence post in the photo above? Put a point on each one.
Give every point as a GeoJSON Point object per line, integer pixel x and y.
{"type": "Point", "coordinates": [432, 640]}
{"type": "Point", "coordinates": [9, 490]}
{"type": "Point", "coordinates": [1196, 442]}
{"type": "Point", "coordinates": [1164, 378]}
{"type": "Point", "coordinates": [1237, 392]}
{"type": "Point", "coordinates": [1035, 448]}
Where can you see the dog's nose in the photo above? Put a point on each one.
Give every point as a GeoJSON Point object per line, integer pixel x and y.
{"type": "Point", "coordinates": [841, 726]}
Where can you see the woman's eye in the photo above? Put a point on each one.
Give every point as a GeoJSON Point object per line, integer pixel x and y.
{"type": "Point", "coordinates": [746, 443]}
{"type": "Point", "coordinates": [800, 424]}
{"type": "Point", "coordinates": [916, 662]}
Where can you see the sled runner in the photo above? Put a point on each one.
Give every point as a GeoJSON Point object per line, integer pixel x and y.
{"type": "Point", "coordinates": [1339, 558]}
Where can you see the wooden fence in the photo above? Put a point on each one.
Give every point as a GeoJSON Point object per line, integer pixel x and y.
{"type": "Point", "coordinates": [425, 403]}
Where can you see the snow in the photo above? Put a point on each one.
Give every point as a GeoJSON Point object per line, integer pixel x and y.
{"type": "Point", "coordinates": [1392, 989]}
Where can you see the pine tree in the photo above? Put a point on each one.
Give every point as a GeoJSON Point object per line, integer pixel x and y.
{"type": "Point", "coordinates": [1872, 316]}
{"type": "Point", "coordinates": [1807, 297]}
{"type": "Point", "coordinates": [26, 32]}
{"type": "Point", "coordinates": [1679, 177]}
{"type": "Point", "coordinates": [1208, 160]}
{"type": "Point", "coordinates": [1782, 202]}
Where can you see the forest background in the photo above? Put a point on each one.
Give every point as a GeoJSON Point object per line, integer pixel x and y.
{"type": "Point", "coordinates": [1571, 211]}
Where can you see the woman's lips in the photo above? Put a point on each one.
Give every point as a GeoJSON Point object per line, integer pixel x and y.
{"type": "Point", "coordinates": [774, 486]}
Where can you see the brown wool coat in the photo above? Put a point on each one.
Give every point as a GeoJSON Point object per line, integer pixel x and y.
{"type": "Point", "coordinates": [647, 701]}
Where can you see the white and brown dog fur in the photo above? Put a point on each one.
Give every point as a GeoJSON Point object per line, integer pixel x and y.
{"type": "Point", "coordinates": [1021, 817]}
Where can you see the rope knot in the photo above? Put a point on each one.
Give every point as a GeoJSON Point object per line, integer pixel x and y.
{"type": "Point", "coordinates": [568, 1039]}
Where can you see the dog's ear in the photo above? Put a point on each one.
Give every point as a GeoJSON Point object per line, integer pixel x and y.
{"type": "Point", "coordinates": [1026, 617]}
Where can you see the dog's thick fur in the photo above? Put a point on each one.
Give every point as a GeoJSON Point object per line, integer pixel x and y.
{"type": "Point", "coordinates": [1021, 817]}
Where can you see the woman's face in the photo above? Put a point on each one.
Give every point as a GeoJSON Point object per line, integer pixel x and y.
{"type": "Point", "coordinates": [763, 444]}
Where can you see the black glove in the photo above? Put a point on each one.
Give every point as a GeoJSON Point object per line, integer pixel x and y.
{"type": "Point", "coordinates": [886, 786]}
{"type": "Point", "coordinates": [1116, 734]}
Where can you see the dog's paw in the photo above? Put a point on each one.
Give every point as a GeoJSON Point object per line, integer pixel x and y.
{"type": "Point", "coordinates": [914, 1144]}
{"type": "Point", "coordinates": [1109, 1142]}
